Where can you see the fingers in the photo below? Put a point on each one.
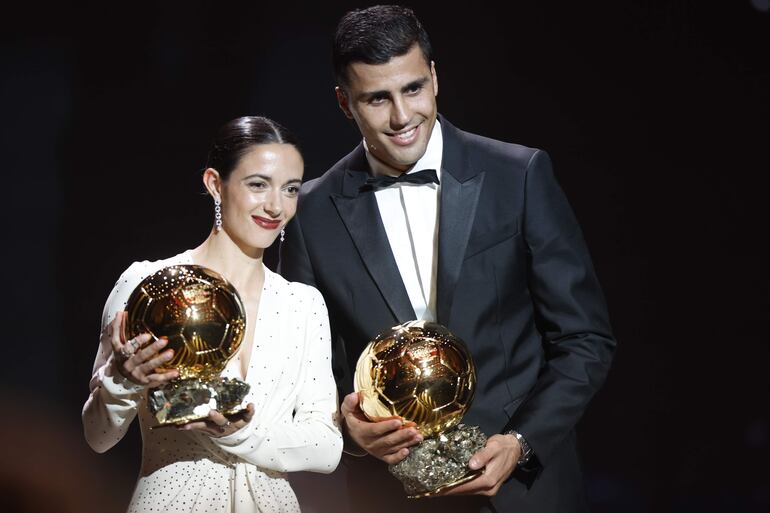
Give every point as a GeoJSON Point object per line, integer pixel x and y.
{"type": "Point", "coordinates": [398, 453]}
{"type": "Point", "coordinates": [370, 431]}
{"type": "Point", "coordinates": [248, 414]}
{"type": "Point", "coordinates": [481, 458]}
{"type": "Point", "coordinates": [487, 483]}
{"type": "Point", "coordinates": [192, 426]}
{"type": "Point", "coordinates": [385, 440]}
{"type": "Point", "coordinates": [158, 361]}
{"type": "Point", "coordinates": [244, 416]}
{"type": "Point", "coordinates": [160, 378]}
{"type": "Point", "coordinates": [147, 354]}
{"type": "Point", "coordinates": [140, 366]}
{"type": "Point", "coordinates": [112, 332]}
{"type": "Point", "coordinates": [350, 403]}
{"type": "Point", "coordinates": [400, 439]}
{"type": "Point", "coordinates": [241, 418]}
{"type": "Point", "coordinates": [396, 445]}
{"type": "Point", "coordinates": [125, 350]}
{"type": "Point", "coordinates": [218, 418]}
{"type": "Point", "coordinates": [396, 457]}
{"type": "Point", "coordinates": [473, 487]}
{"type": "Point", "coordinates": [218, 425]}
{"type": "Point", "coordinates": [121, 325]}
{"type": "Point", "coordinates": [141, 373]}
{"type": "Point", "coordinates": [144, 354]}
{"type": "Point", "coordinates": [498, 459]}
{"type": "Point", "coordinates": [382, 428]}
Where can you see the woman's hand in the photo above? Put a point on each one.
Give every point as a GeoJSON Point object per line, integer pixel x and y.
{"type": "Point", "coordinates": [135, 364]}
{"type": "Point", "coordinates": [217, 425]}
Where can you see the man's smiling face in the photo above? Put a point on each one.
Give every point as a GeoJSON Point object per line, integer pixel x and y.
{"type": "Point", "coordinates": [394, 106]}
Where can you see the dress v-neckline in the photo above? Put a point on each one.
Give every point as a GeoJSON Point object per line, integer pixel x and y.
{"type": "Point", "coordinates": [233, 367]}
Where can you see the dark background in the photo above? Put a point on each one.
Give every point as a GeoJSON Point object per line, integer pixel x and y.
{"type": "Point", "coordinates": [656, 117]}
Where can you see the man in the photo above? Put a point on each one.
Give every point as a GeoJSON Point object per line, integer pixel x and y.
{"type": "Point", "coordinates": [492, 251]}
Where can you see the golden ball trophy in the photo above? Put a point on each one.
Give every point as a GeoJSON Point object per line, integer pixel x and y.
{"type": "Point", "coordinates": [420, 372]}
{"type": "Point", "coordinates": [204, 320]}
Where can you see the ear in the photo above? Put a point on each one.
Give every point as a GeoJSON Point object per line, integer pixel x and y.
{"type": "Point", "coordinates": [434, 77]}
{"type": "Point", "coordinates": [342, 101]}
{"type": "Point", "coordinates": [213, 183]}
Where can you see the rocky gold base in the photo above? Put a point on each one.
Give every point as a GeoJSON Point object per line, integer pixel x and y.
{"type": "Point", "coordinates": [440, 462]}
{"type": "Point", "coordinates": [473, 474]}
{"type": "Point", "coordinates": [186, 400]}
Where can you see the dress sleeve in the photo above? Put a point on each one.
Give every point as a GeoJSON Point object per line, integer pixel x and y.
{"type": "Point", "coordinates": [312, 441]}
{"type": "Point", "coordinates": [113, 400]}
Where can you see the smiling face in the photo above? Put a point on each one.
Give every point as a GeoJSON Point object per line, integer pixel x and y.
{"type": "Point", "coordinates": [394, 106]}
{"type": "Point", "coordinates": [260, 195]}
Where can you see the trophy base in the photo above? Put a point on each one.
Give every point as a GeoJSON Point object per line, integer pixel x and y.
{"type": "Point", "coordinates": [473, 474]}
{"type": "Point", "coordinates": [440, 462]}
{"type": "Point", "coordinates": [185, 400]}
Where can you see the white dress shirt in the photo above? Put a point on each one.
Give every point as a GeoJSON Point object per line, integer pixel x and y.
{"type": "Point", "coordinates": [410, 215]}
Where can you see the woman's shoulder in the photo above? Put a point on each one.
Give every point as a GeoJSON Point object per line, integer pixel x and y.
{"type": "Point", "coordinates": [133, 275]}
{"type": "Point", "coordinates": [139, 270]}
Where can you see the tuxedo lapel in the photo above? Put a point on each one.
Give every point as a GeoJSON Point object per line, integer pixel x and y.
{"type": "Point", "coordinates": [361, 216]}
{"type": "Point", "coordinates": [460, 189]}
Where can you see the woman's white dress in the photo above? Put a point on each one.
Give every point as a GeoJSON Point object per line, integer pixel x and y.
{"type": "Point", "coordinates": [294, 426]}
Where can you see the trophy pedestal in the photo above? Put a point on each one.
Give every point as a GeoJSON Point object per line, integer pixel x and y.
{"type": "Point", "coordinates": [186, 400]}
{"type": "Point", "coordinates": [440, 462]}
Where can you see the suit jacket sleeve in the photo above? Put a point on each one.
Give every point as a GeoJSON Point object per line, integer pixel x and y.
{"type": "Point", "coordinates": [570, 314]}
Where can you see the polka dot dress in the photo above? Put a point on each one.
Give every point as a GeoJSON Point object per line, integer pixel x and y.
{"type": "Point", "coordinates": [293, 428]}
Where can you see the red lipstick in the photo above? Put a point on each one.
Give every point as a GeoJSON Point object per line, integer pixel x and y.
{"type": "Point", "coordinates": [267, 224]}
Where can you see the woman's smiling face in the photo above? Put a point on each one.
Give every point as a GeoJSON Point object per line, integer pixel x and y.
{"type": "Point", "coordinates": [260, 195]}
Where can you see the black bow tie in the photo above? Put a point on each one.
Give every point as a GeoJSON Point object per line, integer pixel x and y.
{"type": "Point", "coordinates": [419, 178]}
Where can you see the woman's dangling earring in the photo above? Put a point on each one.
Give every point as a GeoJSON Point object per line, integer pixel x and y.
{"type": "Point", "coordinates": [283, 234]}
{"type": "Point", "coordinates": [218, 214]}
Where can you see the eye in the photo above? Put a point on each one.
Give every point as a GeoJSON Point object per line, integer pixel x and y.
{"type": "Point", "coordinates": [414, 89]}
{"type": "Point", "coordinates": [377, 100]}
{"type": "Point", "coordinates": [256, 185]}
{"type": "Point", "coordinates": [292, 190]}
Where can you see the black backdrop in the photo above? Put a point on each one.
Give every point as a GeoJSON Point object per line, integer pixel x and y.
{"type": "Point", "coordinates": [656, 118]}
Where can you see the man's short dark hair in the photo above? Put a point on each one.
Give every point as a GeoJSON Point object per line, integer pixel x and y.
{"type": "Point", "coordinates": [374, 36]}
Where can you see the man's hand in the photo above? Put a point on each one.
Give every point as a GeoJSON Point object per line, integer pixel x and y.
{"type": "Point", "coordinates": [498, 459]}
{"type": "Point", "coordinates": [387, 440]}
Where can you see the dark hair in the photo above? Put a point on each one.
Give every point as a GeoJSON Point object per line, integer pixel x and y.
{"type": "Point", "coordinates": [374, 36]}
{"type": "Point", "coordinates": [235, 138]}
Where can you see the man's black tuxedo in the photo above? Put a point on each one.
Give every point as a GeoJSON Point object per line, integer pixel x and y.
{"type": "Point", "coordinates": [514, 281]}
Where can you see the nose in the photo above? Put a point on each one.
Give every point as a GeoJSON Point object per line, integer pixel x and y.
{"type": "Point", "coordinates": [400, 113]}
{"type": "Point", "coordinates": [274, 203]}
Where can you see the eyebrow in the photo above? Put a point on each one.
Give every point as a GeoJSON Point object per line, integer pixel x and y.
{"type": "Point", "coordinates": [411, 85]}
{"type": "Point", "coordinates": [266, 178]}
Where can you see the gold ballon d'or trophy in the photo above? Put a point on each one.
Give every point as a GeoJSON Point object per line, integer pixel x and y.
{"type": "Point", "coordinates": [203, 318]}
{"type": "Point", "coordinates": [420, 372]}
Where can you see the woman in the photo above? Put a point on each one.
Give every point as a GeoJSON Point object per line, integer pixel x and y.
{"type": "Point", "coordinates": [237, 464]}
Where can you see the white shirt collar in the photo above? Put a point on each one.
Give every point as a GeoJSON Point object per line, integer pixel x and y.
{"type": "Point", "coordinates": [431, 159]}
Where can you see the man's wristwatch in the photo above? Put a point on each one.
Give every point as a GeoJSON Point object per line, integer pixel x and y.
{"type": "Point", "coordinates": [526, 449]}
